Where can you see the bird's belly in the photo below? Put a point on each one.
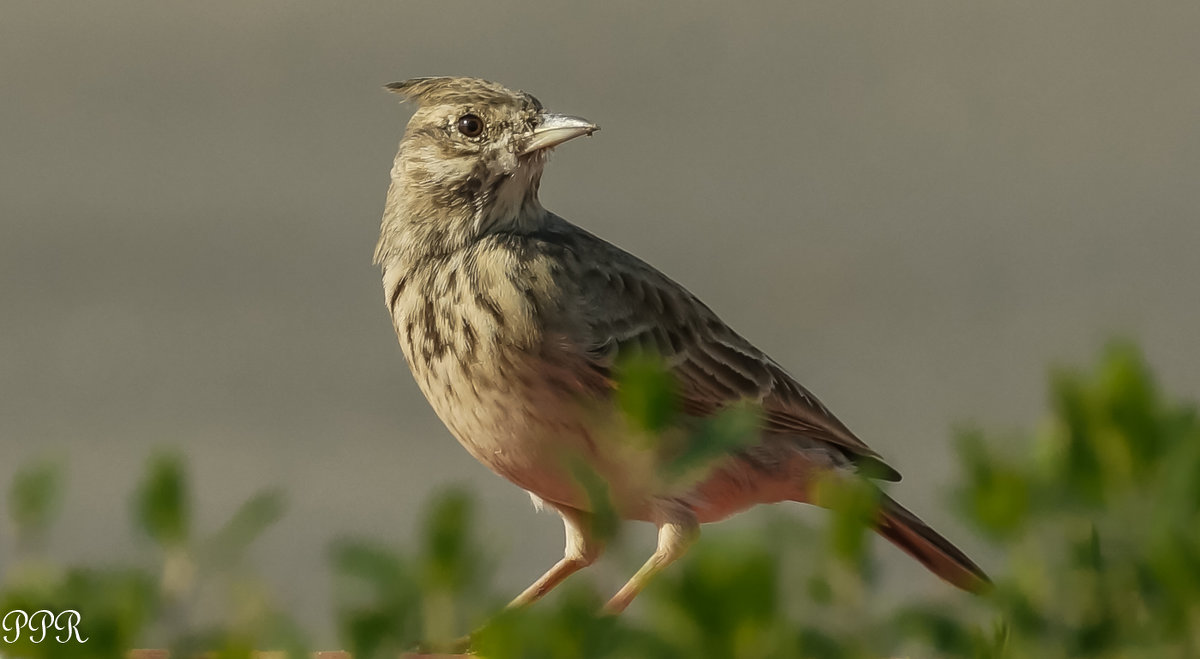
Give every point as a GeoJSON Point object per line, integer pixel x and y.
{"type": "Point", "coordinates": [529, 418]}
{"type": "Point", "coordinates": [528, 422]}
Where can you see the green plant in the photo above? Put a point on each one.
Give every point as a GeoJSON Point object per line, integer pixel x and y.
{"type": "Point", "coordinates": [1095, 519]}
{"type": "Point", "coordinates": [125, 606]}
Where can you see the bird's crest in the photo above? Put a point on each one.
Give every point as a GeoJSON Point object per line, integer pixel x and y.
{"type": "Point", "coordinates": [449, 90]}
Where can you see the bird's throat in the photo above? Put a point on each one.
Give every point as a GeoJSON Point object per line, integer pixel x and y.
{"type": "Point", "coordinates": [424, 220]}
{"type": "Point", "coordinates": [510, 203]}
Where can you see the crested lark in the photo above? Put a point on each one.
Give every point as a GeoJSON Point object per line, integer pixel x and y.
{"type": "Point", "coordinates": [512, 318]}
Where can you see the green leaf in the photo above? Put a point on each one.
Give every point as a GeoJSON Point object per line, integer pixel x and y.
{"type": "Point", "coordinates": [378, 599]}
{"type": "Point", "coordinates": [734, 428]}
{"type": "Point", "coordinates": [854, 504]}
{"type": "Point", "coordinates": [450, 557]}
{"type": "Point", "coordinates": [162, 507]}
{"type": "Point", "coordinates": [646, 392]}
{"type": "Point", "coordinates": [34, 499]}
{"type": "Point", "coordinates": [249, 522]}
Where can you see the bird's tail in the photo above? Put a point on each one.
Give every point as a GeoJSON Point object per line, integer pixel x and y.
{"type": "Point", "coordinates": [908, 532]}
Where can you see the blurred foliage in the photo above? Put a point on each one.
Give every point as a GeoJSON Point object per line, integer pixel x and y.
{"type": "Point", "coordinates": [1099, 516]}
{"type": "Point", "coordinates": [33, 501]}
{"type": "Point", "coordinates": [389, 602]}
{"type": "Point", "coordinates": [166, 600]}
{"type": "Point", "coordinates": [1094, 520]}
{"type": "Point", "coordinates": [646, 393]}
{"type": "Point", "coordinates": [162, 505]}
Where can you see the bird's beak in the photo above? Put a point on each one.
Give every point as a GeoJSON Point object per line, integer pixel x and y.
{"type": "Point", "coordinates": [556, 129]}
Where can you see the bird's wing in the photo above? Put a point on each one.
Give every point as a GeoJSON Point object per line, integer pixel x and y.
{"type": "Point", "coordinates": [629, 306]}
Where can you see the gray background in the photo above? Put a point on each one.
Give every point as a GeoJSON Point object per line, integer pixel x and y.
{"type": "Point", "coordinates": [915, 206]}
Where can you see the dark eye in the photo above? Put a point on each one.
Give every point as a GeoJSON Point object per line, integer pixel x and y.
{"type": "Point", "coordinates": [470, 125]}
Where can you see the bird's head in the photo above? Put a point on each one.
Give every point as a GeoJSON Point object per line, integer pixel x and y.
{"type": "Point", "coordinates": [474, 152]}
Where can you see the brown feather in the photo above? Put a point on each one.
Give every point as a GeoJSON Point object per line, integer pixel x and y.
{"type": "Point", "coordinates": [917, 539]}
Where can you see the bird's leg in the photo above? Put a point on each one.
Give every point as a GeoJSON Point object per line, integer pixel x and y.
{"type": "Point", "coordinates": [674, 537]}
{"type": "Point", "coordinates": [583, 548]}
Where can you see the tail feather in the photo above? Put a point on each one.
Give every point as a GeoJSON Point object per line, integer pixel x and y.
{"type": "Point", "coordinates": [917, 539]}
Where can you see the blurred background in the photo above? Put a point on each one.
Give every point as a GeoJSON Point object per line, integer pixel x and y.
{"type": "Point", "coordinates": [914, 206]}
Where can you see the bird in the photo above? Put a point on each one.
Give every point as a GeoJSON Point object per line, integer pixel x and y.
{"type": "Point", "coordinates": [516, 325]}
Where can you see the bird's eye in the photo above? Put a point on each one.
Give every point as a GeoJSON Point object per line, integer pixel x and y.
{"type": "Point", "coordinates": [470, 125]}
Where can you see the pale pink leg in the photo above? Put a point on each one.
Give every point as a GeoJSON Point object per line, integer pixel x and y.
{"type": "Point", "coordinates": [582, 550]}
{"type": "Point", "coordinates": [674, 538]}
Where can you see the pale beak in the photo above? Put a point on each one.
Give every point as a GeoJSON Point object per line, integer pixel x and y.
{"type": "Point", "coordinates": [556, 129]}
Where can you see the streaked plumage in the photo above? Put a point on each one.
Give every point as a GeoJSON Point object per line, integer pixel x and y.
{"type": "Point", "coordinates": [512, 319]}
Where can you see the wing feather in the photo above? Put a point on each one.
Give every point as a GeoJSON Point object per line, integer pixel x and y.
{"type": "Point", "coordinates": [627, 305]}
